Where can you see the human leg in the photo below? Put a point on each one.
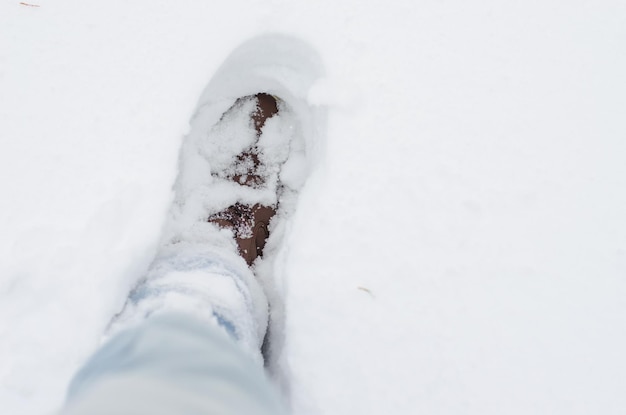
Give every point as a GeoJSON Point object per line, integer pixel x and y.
{"type": "Point", "coordinates": [189, 337]}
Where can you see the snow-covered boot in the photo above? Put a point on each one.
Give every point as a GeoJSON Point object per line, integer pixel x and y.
{"type": "Point", "coordinates": [241, 167]}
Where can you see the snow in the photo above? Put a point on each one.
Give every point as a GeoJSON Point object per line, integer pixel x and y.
{"type": "Point", "coordinates": [459, 245]}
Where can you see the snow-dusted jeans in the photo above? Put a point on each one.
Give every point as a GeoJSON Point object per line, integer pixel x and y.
{"type": "Point", "coordinates": [175, 358]}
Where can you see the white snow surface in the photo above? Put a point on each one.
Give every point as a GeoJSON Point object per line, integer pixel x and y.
{"type": "Point", "coordinates": [459, 246]}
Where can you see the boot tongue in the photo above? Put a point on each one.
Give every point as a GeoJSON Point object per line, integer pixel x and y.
{"type": "Point", "coordinates": [250, 223]}
{"type": "Point", "coordinates": [267, 107]}
{"type": "Point", "coordinates": [248, 160]}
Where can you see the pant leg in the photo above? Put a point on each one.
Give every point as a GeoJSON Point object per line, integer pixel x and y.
{"type": "Point", "coordinates": [208, 283]}
{"type": "Point", "coordinates": [172, 364]}
{"type": "Point", "coordinates": [187, 342]}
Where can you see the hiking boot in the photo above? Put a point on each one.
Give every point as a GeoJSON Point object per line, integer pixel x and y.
{"type": "Point", "coordinates": [249, 224]}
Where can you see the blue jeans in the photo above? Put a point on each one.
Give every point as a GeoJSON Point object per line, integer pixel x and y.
{"type": "Point", "coordinates": [168, 359]}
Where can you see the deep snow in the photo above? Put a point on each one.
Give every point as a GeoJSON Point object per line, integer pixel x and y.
{"type": "Point", "coordinates": [459, 248]}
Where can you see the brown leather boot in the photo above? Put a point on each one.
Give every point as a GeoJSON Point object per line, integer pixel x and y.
{"type": "Point", "coordinates": [250, 223]}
